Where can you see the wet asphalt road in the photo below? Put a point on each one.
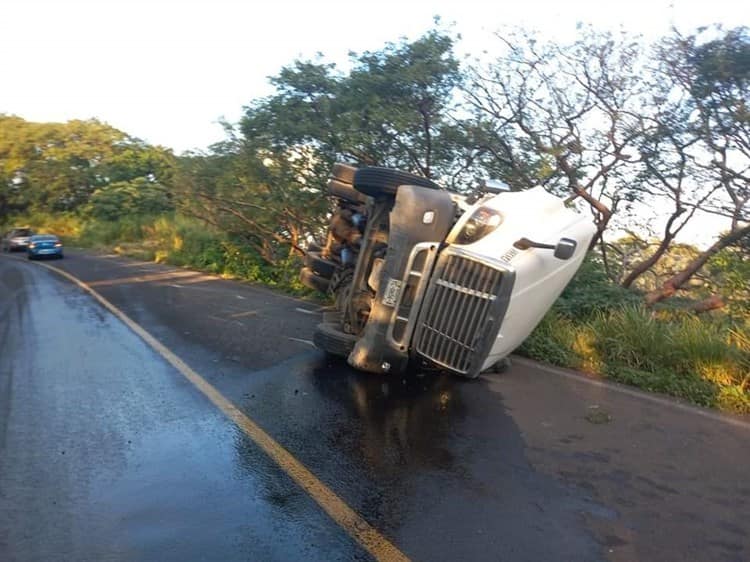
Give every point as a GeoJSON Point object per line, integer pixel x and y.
{"type": "Point", "coordinates": [108, 453]}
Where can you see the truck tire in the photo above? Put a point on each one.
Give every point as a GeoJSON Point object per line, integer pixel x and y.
{"type": "Point", "coordinates": [345, 191]}
{"type": "Point", "coordinates": [331, 339]}
{"type": "Point", "coordinates": [315, 282]}
{"type": "Point", "coordinates": [343, 172]}
{"type": "Point", "coordinates": [319, 265]}
{"type": "Point", "coordinates": [377, 182]}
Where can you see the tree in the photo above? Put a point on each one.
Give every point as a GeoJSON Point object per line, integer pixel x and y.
{"type": "Point", "coordinates": [58, 166]}
{"type": "Point", "coordinates": [670, 175]}
{"type": "Point", "coordinates": [253, 195]}
{"type": "Point", "coordinates": [714, 78]}
{"type": "Point", "coordinates": [267, 183]}
{"type": "Point", "coordinates": [135, 197]}
{"type": "Point", "coordinates": [564, 116]}
{"type": "Point", "coordinates": [391, 109]}
{"type": "Point", "coordinates": [648, 141]}
{"type": "Point", "coordinates": [727, 277]}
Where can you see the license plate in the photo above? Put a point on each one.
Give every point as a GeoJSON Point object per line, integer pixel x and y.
{"type": "Point", "coordinates": [392, 292]}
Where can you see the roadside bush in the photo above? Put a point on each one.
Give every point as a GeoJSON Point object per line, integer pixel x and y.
{"type": "Point", "coordinates": [632, 337]}
{"type": "Point", "coordinates": [97, 233]}
{"type": "Point", "coordinates": [128, 198]}
{"type": "Point", "coordinates": [188, 242]}
{"type": "Point", "coordinates": [591, 292]}
{"type": "Point", "coordinates": [65, 225]}
{"type": "Point", "coordinates": [553, 341]}
{"type": "Point", "coordinates": [700, 359]}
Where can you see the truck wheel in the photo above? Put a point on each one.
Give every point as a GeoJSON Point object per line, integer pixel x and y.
{"type": "Point", "coordinates": [309, 279]}
{"type": "Point", "coordinates": [331, 339]}
{"type": "Point", "coordinates": [502, 366]}
{"type": "Point", "coordinates": [377, 182]}
{"type": "Point", "coordinates": [345, 191]}
{"type": "Point", "coordinates": [343, 172]}
{"type": "Point", "coordinates": [319, 265]}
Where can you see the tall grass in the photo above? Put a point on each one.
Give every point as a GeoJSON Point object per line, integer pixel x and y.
{"type": "Point", "coordinates": [184, 241]}
{"type": "Point", "coordinates": [703, 360]}
{"type": "Point", "coordinates": [174, 239]}
{"type": "Point", "coordinates": [67, 226]}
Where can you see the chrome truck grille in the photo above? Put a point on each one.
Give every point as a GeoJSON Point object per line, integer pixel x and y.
{"type": "Point", "coordinates": [462, 312]}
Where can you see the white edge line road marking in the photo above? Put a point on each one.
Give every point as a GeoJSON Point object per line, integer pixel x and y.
{"type": "Point", "coordinates": [355, 525]}
{"type": "Point", "coordinates": [582, 378]}
{"type": "Point", "coordinates": [306, 311]}
{"type": "Point", "coordinates": [308, 342]}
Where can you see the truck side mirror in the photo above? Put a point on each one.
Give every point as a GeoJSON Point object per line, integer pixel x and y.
{"type": "Point", "coordinates": [565, 248]}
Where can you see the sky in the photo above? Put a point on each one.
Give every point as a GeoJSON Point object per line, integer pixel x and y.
{"type": "Point", "coordinates": [167, 71]}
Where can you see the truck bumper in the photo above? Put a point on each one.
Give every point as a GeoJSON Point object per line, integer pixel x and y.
{"type": "Point", "coordinates": [419, 222]}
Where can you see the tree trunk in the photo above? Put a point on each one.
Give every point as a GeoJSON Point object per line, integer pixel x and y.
{"type": "Point", "coordinates": [671, 286]}
{"type": "Point", "coordinates": [666, 241]}
{"type": "Point", "coordinates": [713, 302]}
{"type": "Point", "coordinates": [647, 264]}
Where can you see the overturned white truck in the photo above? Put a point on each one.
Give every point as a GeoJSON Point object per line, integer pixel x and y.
{"type": "Point", "coordinates": [420, 274]}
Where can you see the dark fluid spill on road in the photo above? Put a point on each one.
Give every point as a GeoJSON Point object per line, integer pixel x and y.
{"type": "Point", "coordinates": [403, 420]}
{"type": "Point", "coordinates": [429, 458]}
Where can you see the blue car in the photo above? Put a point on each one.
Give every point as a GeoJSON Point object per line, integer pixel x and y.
{"type": "Point", "coordinates": [44, 245]}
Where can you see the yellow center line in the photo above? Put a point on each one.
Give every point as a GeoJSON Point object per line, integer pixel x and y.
{"type": "Point", "coordinates": [167, 275]}
{"type": "Point", "coordinates": [354, 524]}
{"type": "Point", "coordinates": [199, 279]}
{"type": "Point", "coordinates": [246, 313]}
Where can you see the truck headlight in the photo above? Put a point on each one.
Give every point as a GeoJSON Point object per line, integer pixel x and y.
{"type": "Point", "coordinates": [481, 222]}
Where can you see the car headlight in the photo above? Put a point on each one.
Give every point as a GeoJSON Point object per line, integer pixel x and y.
{"type": "Point", "coordinates": [481, 222]}
{"type": "Point", "coordinates": [32, 245]}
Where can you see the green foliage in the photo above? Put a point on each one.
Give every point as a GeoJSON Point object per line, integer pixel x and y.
{"type": "Point", "coordinates": [66, 225]}
{"type": "Point", "coordinates": [728, 274]}
{"type": "Point", "coordinates": [632, 337]}
{"type": "Point", "coordinates": [553, 341]}
{"type": "Point", "coordinates": [721, 66]}
{"type": "Point", "coordinates": [135, 197]}
{"type": "Point", "coordinates": [185, 241]}
{"type": "Point", "coordinates": [56, 167]}
{"type": "Point", "coordinates": [268, 201]}
{"type": "Point", "coordinates": [685, 357]}
{"type": "Point", "coordinates": [390, 109]}
{"type": "Point", "coordinates": [704, 361]}
{"type": "Point", "coordinates": [104, 233]}
{"type": "Point", "coordinates": [591, 292]}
